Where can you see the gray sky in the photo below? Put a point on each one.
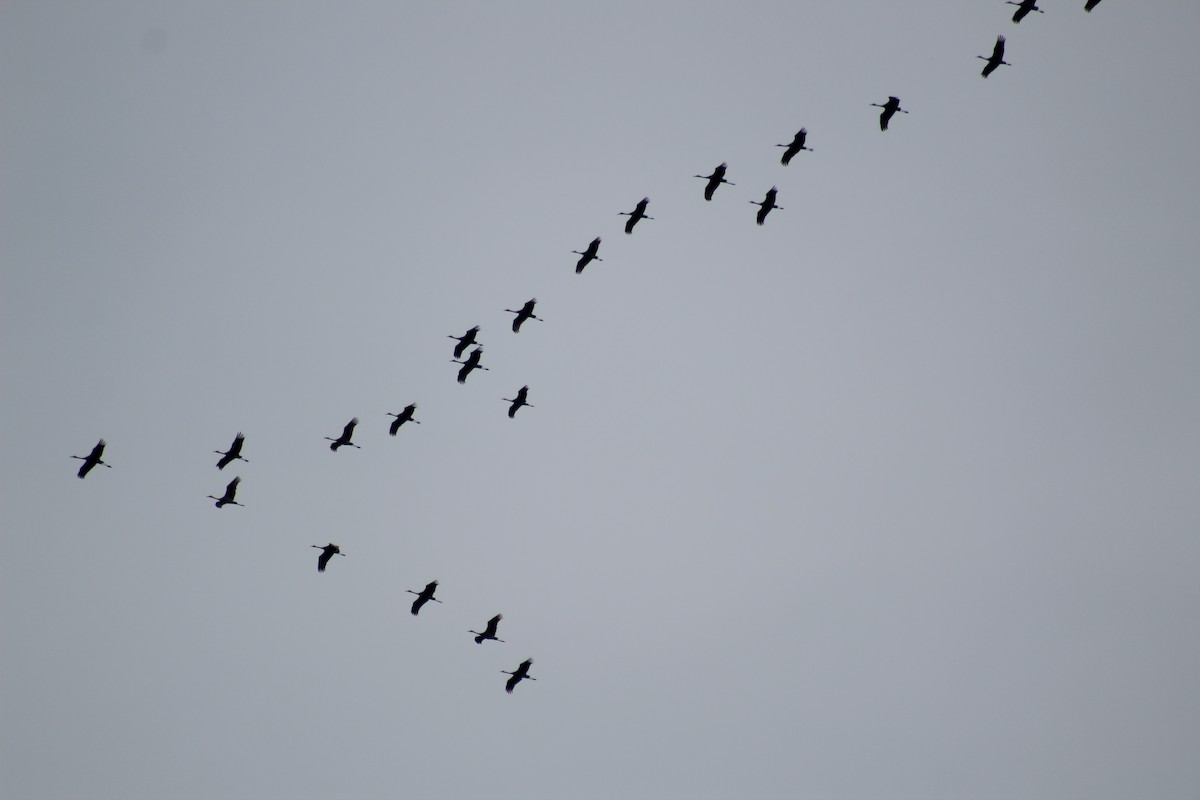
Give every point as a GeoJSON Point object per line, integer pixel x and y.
{"type": "Point", "coordinates": [895, 496]}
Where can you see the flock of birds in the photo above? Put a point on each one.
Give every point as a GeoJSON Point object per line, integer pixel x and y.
{"type": "Point", "coordinates": [525, 313]}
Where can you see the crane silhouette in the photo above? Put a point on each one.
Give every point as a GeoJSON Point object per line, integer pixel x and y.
{"type": "Point", "coordinates": [517, 402]}
{"type": "Point", "coordinates": [518, 675]}
{"type": "Point", "coordinates": [638, 213]}
{"type": "Point", "coordinates": [404, 416]}
{"type": "Point", "coordinates": [714, 180]}
{"type": "Point", "coordinates": [1090, 5]}
{"type": "Point", "coordinates": [1023, 8]}
{"type": "Point", "coordinates": [91, 459]}
{"type": "Point", "coordinates": [230, 492]}
{"type": "Point", "coordinates": [889, 110]}
{"type": "Point", "coordinates": [464, 341]}
{"type": "Point", "coordinates": [234, 452]}
{"type": "Point", "coordinates": [525, 313]}
{"type": "Point", "coordinates": [795, 147]}
{"type": "Point", "coordinates": [766, 205]}
{"type": "Point", "coordinates": [587, 256]}
{"type": "Point", "coordinates": [327, 552]}
{"type": "Point", "coordinates": [490, 631]}
{"type": "Point", "coordinates": [423, 596]}
{"type": "Point", "coordinates": [344, 439]}
{"type": "Point", "coordinates": [471, 363]}
{"type": "Point", "coordinates": [997, 58]}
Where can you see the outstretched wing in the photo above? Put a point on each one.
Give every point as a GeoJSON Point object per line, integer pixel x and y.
{"type": "Point", "coordinates": [998, 50]}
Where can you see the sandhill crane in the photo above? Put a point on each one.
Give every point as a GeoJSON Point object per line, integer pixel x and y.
{"type": "Point", "coordinates": [464, 341]}
{"type": "Point", "coordinates": [997, 58]}
{"type": "Point", "coordinates": [234, 452]}
{"type": "Point", "coordinates": [230, 492]}
{"type": "Point", "coordinates": [1090, 5]}
{"type": "Point", "coordinates": [91, 459]}
{"type": "Point", "coordinates": [889, 110]}
{"type": "Point", "coordinates": [795, 147]}
{"type": "Point", "coordinates": [1023, 8]}
{"type": "Point", "coordinates": [520, 674]}
{"type": "Point", "coordinates": [638, 213]}
{"type": "Point", "coordinates": [404, 416]}
{"type": "Point", "coordinates": [714, 180]}
{"type": "Point", "coordinates": [424, 596]}
{"type": "Point", "coordinates": [586, 256]}
{"type": "Point", "coordinates": [344, 439]}
{"type": "Point", "coordinates": [327, 552]}
{"type": "Point", "coordinates": [766, 205]}
{"type": "Point", "coordinates": [490, 631]}
{"type": "Point", "coordinates": [517, 402]}
{"type": "Point", "coordinates": [526, 312]}
{"type": "Point", "coordinates": [471, 363]}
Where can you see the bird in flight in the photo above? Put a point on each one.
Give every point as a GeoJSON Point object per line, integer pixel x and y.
{"type": "Point", "coordinates": [471, 363]}
{"type": "Point", "coordinates": [996, 59]}
{"type": "Point", "coordinates": [344, 439]}
{"type": "Point", "coordinates": [490, 631]}
{"type": "Point", "coordinates": [234, 452]}
{"type": "Point", "coordinates": [423, 596]}
{"type": "Point", "coordinates": [518, 675]}
{"type": "Point", "coordinates": [1024, 7]}
{"type": "Point", "coordinates": [638, 213]}
{"type": "Point", "coordinates": [587, 256]}
{"type": "Point", "coordinates": [714, 180]}
{"type": "Point", "coordinates": [464, 341]}
{"type": "Point", "coordinates": [889, 110]}
{"type": "Point", "coordinates": [230, 492]}
{"type": "Point", "coordinates": [525, 313]}
{"type": "Point", "coordinates": [91, 459]}
{"type": "Point", "coordinates": [327, 552]}
{"type": "Point", "coordinates": [795, 147]}
{"type": "Point", "coordinates": [404, 416]}
{"type": "Point", "coordinates": [517, 401]}
{"type": "Point", "coordinates": [766, 205]}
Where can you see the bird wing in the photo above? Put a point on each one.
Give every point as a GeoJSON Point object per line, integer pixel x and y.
{"type": "Point", "coordinates": [323, 559]}
{"type": "Point", "coordinates": [235, 449]}
{"type": "Point", "coordinates": [97, 451]}
{"type": "Point", "coordinates": [998, 50]}
{"type": "Point", "coordinates": [493, 623]}
{"type": "Point", "coordinates": [231, 489]}
{"type": "Point", "coordinates": [510, 683]}
{"type": "Point", "coordinates": [416, 606]}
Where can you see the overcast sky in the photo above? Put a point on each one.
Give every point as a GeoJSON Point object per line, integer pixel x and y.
{"type": "Point", "coordinates": [895, 496]}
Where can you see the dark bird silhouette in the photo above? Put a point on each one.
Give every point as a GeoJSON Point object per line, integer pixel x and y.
{"type": "Point", "coordinates": [404, 416]}
{"type": "Point", "coordinates": [714, 180]}
{"type": "Point", "coordinates": [91, 459]}
{"type": "Point", "coordinates": [1023, 8]}
{"type": "Point", "coordinates": [490, 631]}
{"type": "Point", "coordinates": [344, 439]}
{"type": "Point", "coordinates": [327, 552]}
{"type": "Point", "coordinates": [234, 452]}
{"type": "Point", "coordinates": [471, 363]}
{"type": "Point", "coordinates": [638, 213]}
{"type": "Point", "coordinates": [1091, 4]}
{"type": "Point", "coordinates": [889, 110]}
{"type": "Point", "coordinates": [464, 341]}
{"type": "Point", "coordinates": [766, 205]}
{"type": "Point", "coordinates": [230, 492]}
{"type": "Point", "coordinates": [997, 58]}
{"type": "Point", "coordinates": [525, 313]}
{"type": "Point", "coordinates": [424, 596]}
{"type": "Point", "coordinates": [520, 674]}
{"type": "Point", "coordinates": [517, 402]}
{"type": "Point", "coordinates": [795, 147]}
{"type": "Point", "coordinates": [588, 255]}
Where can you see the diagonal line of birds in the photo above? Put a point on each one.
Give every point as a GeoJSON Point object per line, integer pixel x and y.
{"type": "Point", "coordinates": [473, 359]}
